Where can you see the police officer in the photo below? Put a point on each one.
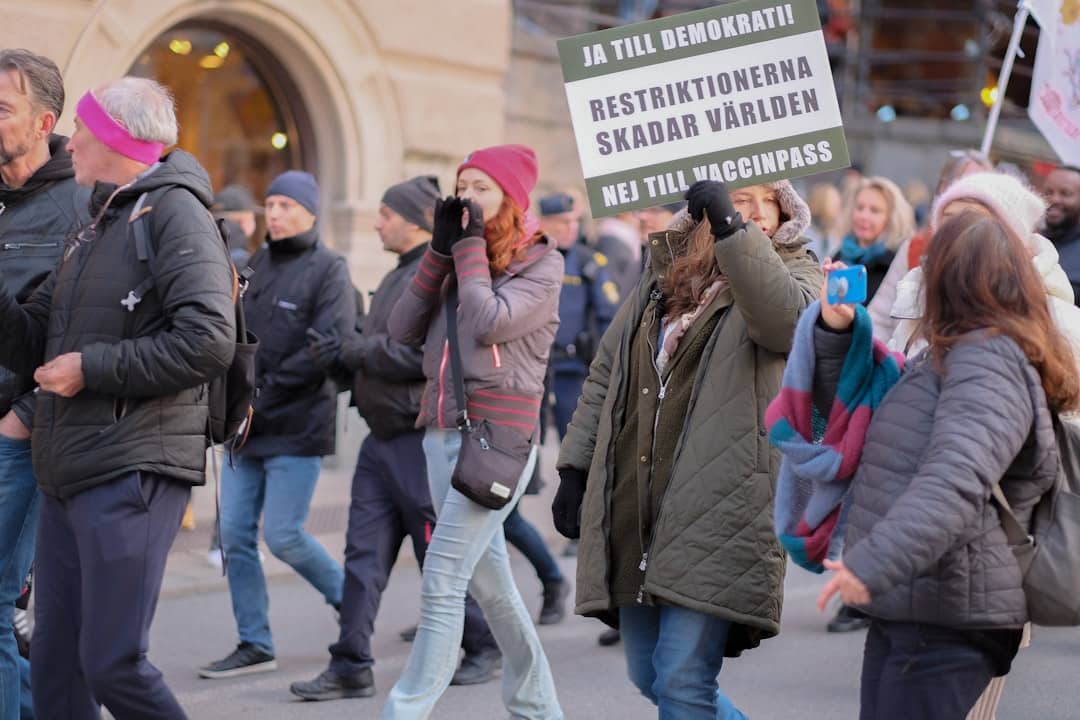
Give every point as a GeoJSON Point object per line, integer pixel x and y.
{"type": "Point", "coordinates": [587, 304]}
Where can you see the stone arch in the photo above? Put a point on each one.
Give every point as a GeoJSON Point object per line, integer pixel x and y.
{"type": "Point", "coordinates": [331, 57]}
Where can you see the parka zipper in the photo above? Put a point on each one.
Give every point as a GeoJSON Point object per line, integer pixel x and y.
{"type": "Point", "coordinates": [442, 382]}
{"type": "Point", "coordinates": [660, 395]}
{"type": "Point", "coordinates": [21, 245]}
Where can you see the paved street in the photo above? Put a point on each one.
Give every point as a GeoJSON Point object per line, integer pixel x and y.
{"type": "Point", "coordinates": [803, 674]}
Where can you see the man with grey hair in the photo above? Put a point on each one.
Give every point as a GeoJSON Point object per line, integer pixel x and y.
{"type": "Point", "coordinates": [122, 339]}
{"type": "Point", "coordinates": [39, 205]}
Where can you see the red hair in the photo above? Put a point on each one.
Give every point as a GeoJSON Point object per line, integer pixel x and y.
{"type": "Point", "coordinates": [505, 235]}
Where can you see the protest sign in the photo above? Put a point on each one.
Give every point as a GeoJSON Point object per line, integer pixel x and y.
{"type": "Point", "coordinates": [1054, 105]}
{"type": "Point", "coordinates": [741, 93]}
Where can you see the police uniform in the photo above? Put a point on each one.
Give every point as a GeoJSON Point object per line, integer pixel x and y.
{"type": "Point", "coordinates": [587, 304]}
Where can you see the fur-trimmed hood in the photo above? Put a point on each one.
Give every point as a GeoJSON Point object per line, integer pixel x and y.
{"type": "Point", "coordinates": [794, 217]}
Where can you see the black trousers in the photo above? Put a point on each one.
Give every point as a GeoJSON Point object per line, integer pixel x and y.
{"type": "Point", "coordinates": [911, 670]}
{"type": "Point", "coordinates": [391, 501]}
{"type": "Point", "coordinates": [97, 573]}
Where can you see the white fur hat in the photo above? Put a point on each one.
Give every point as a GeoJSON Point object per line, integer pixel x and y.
{"type": "Point", "coordinates": [1009, 199]}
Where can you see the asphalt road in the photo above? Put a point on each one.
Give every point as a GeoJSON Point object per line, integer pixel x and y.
{"type": "Point", "coordinates": [804, 673]}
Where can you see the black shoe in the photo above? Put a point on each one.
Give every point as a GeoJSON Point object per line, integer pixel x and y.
{"type": "Point", "coordinates": [554, 608]}
{"type": "Point", "coordinates": [478, 668]}
{"type": "Point", "coordinates": [848, 620]}
{"type": "Point", "coordinates": [246, 659]}
{"type": "Point", "coordinates": [408, 634]}
{"type": "Point", "coordinates": [609, 637]}
{"type": "Point", "coordinates": [332, 686]}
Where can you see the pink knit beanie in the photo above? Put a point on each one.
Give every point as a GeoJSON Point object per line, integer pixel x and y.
{"type": "Point", "coordinates": [512, 166]}
{"type": "Point", "coordinates": [1009, 199]}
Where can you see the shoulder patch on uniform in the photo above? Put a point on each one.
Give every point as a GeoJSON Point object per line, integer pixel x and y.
{"type": "Point", "coordinates": [600, 259]}
{"type": "Point", "coordinates": [611, 292]}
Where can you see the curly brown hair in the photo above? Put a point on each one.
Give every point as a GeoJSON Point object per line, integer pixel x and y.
{"type": "Point", "coordinates": [693, 271]}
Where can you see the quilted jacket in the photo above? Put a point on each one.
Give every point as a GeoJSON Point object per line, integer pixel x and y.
{"type": "Point", "coordinates": [922, 533]}
{"type": "Point", "coordinates": [713, 549]}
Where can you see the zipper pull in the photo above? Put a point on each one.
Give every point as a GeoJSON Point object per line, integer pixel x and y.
{"type": "Point", "coordinates": [3, 207]}
{"type": "Point", "coordinates": [663, 391]}
{"type": "Point", "coordinates": [644, 562]}
{"type": "Point", "coordinates": [484, 444]}
{"type": "Point", "coordinates": [641, 595]}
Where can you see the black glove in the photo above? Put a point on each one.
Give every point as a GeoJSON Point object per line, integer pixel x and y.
{"type": "Point", "coordinates": [711, 198]}
{"type": "Point", "coordinates": [325, 348]}
{"type": "Point", "coordinates": [353, 351]}
{"type": "Point", "coordinates": [475, 225]}
{"type": "Point", "coordinates": [446, 227]}
{"type": "Point", "coordinates": [566, 508]}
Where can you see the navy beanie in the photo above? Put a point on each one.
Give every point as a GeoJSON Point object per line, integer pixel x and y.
{"type": "Point", "coordinates": [298, 185]}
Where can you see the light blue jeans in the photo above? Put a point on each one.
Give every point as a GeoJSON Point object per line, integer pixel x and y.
{"type": "Point", "coordinates": [674, 656]}
{"type": "Point", "coordinates": [468, 551]}
{"type": "Point", "coordinates": [280, 489]}
{"type": "Point", "coordinates": [18, 526]}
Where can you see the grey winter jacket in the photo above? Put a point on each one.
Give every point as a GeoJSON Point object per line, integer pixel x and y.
{"type": "Point", "coordinates": [923, 535]}
{"type": "Point", "coordinates": [506, 324]}
{"type": "Point", "coordinates": [35, 219]}
{"type": "Point", "coordinates": [144, 406]}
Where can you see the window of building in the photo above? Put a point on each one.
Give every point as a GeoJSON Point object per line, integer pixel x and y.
{"type": "Point", "coordinates": [233, 104]}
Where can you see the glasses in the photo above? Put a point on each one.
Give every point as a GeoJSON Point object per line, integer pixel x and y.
{"type": "Point", "coordinates": [89, 233]}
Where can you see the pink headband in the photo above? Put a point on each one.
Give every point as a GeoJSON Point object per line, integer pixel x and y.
{"type": "Point", "coordinates": [114, 135]}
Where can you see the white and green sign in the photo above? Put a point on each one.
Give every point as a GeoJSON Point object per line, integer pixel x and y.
{"type": "Point", "coordinates": [740, 93]}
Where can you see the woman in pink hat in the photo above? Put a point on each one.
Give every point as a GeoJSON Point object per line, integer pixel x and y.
{"type": "Point", "coordinates": [505, 277]}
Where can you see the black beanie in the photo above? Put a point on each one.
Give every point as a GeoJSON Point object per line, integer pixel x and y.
{"type": "Point", "coordinates": [414, 199]}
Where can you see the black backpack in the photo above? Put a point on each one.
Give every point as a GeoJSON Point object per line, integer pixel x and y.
{"type": "Point", "coordinates": [230, 394]}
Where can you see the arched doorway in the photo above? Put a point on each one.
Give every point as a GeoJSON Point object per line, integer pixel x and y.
{"type": "Point", "coordinates": [239, 111]}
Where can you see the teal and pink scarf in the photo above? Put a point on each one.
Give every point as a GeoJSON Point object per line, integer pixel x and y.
{"type": "Point", "coordinates": [820, 455]}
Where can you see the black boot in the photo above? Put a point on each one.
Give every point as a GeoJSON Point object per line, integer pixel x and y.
{"type": "Point", "coordinates": [332, 686]}
{"type": "Point", "coordinates": [478, 668]}
{"type": "Point", "coordinates": [848, 619]}
{"type": "Point", "coordinates": [554, 608]}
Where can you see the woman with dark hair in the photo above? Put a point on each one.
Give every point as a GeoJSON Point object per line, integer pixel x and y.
{"type": "Point", "coordinates": [665, 472]}
{"type": "Point", "coordinates": [924, 553]}
{"type": "Point", "coordinates": [485, 251]}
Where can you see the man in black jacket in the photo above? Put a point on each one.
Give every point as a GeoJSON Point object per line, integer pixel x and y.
{"type": "Point", "coordinates": [390, 496]}
{"type": "Point", "coordinates": [39, 206]}
{"type": "Point", "coordinates": [119, 432]}
{"type": "Point", "coordinates": [1062, 192]}
{"type": "Point", "coordinates": [297, 284]}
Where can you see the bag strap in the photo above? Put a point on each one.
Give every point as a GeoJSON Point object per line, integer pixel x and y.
{"type": "Point", "coordinates": [455, 356]}
{"type": "Point", "coordinates": [1014, 531]}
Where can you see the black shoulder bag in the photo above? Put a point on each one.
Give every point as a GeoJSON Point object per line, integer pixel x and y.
{"type": "Point", "coordinates": [492, 456]}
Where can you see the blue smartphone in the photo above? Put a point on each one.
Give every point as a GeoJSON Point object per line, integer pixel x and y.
{"type": "Point", "coordinates": [847, 286]}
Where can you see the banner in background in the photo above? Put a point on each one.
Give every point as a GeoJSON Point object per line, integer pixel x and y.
{"type": "Point", "coordinates": [1054, 105]}
{"type": "Point", "coordinates": [741, 93]}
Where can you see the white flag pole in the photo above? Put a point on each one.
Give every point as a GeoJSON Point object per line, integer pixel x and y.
{"type": "Point", "coordinates": [1006, 70]}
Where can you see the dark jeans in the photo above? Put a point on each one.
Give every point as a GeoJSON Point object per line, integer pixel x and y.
{"type": "Point", "coordinates": [567, 389]}
{"type": "Point", "coordinates": [911, 670]}
{"type": "Point", "coordinates": [390, 502]}
{"type": "Point", "coordinates": [101, 556]}
{"type": "Point", "coordinates": [523, 535]}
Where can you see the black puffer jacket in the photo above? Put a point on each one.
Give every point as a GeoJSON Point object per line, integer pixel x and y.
{"type": "Point", "coordinates": [34, 221]}
{"type": "Point", "coordinates": [388, 376]}
{"type": "Point", "coordinates": [923, 535]}
{"type": "Point", "coordinates": [298, 284]}
{"type": "Point", "coordinates": [144, 404]}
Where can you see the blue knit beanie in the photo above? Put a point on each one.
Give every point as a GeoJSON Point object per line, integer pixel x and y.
{"type": "Point", "coordinates": [298, 185]}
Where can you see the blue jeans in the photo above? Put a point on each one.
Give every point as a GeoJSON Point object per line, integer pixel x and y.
{"type": "Point", "coordinates": [523, 535]}
{"type": "Point", "coordinates": [468, 551]}
{"type": "Point", "coordinates": [26, 700]}
{"type": "Point", "coordinates": [280, 489]}
{"type": "Point", "coordinates": [674, 655]}
{"type": "Point", "coordinates": [18, 524]}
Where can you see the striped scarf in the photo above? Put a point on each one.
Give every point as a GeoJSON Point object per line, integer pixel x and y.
{"type": "Point", "coordinates": [820, 455]}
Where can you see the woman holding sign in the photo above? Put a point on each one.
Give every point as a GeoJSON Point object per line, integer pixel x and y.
{"type": "Point", "coordinates": [665, 472]}
{"type": "Point", "coordinates": [484, 304]}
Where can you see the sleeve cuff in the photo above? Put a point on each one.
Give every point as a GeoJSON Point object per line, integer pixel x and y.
{"type": "Point", "coordinates": [471, 260]}
{"type": "Point", "coordinates": [94, 368]}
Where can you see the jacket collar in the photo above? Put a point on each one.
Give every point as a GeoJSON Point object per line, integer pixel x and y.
{"type": "Point", "coordinates": [407, 257]}
{"type": "Point", "coordinates": [295, 244]}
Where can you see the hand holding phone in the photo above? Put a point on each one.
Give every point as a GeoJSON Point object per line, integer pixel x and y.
{"type": "Point", "coordinates": [846, 286]}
